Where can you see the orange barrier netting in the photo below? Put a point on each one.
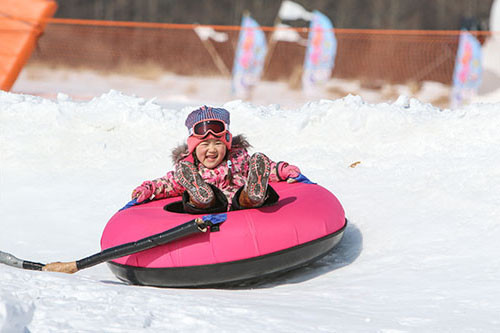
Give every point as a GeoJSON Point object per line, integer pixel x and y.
{"type": "Point", "coordinates": [392, 56]}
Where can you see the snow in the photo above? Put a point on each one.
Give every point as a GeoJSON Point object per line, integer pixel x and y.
{"type": "Point", "coordinates": [290, 10]}
{"type": "Point", "coordinates": [495, 16]}
{"type": "Point", "coordinates": [205, 33]}
{"type": "Point", "coordinates": [178, 91]}
{"type": "Point", "coordinates": [420, 253]}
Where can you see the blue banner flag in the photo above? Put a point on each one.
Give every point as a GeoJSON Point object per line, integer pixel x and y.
{"type": "Point", "coordinates": [320, 53]}
{"type": "Point", "coordinates": [250, 56]}
{"type": "Point", "coordinates": [468, 70]}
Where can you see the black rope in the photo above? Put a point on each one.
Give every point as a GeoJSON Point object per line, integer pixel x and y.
{"type": "Point", "coordinates": [119, 251]}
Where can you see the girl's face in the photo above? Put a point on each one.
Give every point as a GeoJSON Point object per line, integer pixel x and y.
{"type": "Point", "coordinates": [211, 152]}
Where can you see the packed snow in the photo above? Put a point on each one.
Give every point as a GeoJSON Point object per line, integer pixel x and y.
{"type": "Point", "coordinates": [175, 90]}
{"type": "Point", "coordinates": [420, 253]}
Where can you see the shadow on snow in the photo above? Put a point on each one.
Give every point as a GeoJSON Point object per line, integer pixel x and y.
{"type": "Point", "coordinates": [345, 253]}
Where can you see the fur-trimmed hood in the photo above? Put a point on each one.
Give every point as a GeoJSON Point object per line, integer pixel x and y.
{"type": "Point", "coordinates": [181, 151]}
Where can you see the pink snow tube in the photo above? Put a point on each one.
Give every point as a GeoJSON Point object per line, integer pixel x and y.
{"type": "Point", "coordinates": [306, 223]}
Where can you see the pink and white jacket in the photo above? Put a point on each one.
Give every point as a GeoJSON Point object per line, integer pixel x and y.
{"type": "Point", "coordinates": [229, 176]}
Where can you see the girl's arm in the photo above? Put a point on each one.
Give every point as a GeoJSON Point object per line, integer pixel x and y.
{"type": "Point", "coordinates": [167, 187]}
{"type": "Point", "coordinates": [282, 171]}
{"type": "Point", "coordinates": [159, 188]}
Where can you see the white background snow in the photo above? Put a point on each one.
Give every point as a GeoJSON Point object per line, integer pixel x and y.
{"type": "Point", "coordinates": [421, 252]}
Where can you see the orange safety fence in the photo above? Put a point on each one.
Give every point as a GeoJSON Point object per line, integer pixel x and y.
{"type": "Point", "coordinates": [18, 36]}
{"type": "Point", "coordinates": [392, 56]}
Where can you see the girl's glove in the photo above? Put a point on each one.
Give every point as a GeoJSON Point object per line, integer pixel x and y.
{"type": "Point", "coordinates": [143, 192]}
{"type": "Point", "coordinates": [285, 171]}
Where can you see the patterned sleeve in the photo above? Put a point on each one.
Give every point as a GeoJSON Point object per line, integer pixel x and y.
{"type": "Point", "coordinates": [240, 158]}
{"type": "Point", "coordinates": [276, 170]}
{"type": "Point", "coordinates": [273, 177]}
{"type": "Point", "coordinates": [167, 187]}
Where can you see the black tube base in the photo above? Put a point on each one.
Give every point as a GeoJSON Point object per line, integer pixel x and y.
{"type": "Point", "coordinates": [230, 273]}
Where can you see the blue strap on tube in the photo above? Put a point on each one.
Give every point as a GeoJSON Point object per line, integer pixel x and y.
{"type": "Point", "coordinates": [303, 179]}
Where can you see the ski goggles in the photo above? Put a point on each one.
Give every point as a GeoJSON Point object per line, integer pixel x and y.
{"type": "Point", "coordinates": [203, 128]}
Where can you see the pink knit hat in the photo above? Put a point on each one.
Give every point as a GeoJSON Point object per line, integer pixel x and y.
{"type": "Point", "coordinates": [207, 113]}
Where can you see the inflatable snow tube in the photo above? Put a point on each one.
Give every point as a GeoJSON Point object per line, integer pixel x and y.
{"type": "Point", "coordinates": [306, 223]}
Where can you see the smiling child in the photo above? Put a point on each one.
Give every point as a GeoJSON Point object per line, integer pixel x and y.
{"type": "Point", "coordinates": [214, 171]}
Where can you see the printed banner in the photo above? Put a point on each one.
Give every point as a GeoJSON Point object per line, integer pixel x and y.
{"type": "Point", "coordinates": [249, 58]}
{"type": "Point", "coordinates": [320, 53]}
{"type": "Point", "coordinates": [468, 70]}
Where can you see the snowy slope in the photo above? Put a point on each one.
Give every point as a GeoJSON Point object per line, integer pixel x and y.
{"type": "Point", "coordinates": [420, 253]}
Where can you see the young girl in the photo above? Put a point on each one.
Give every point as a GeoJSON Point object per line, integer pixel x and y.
{"type": "Point", "coordinates": [214, 172]}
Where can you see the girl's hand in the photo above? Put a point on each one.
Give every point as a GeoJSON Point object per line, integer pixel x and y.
{"type": "Point", "coordinates": [143, 192]}
{"type": "Point", "coordinates": [286, 171]}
